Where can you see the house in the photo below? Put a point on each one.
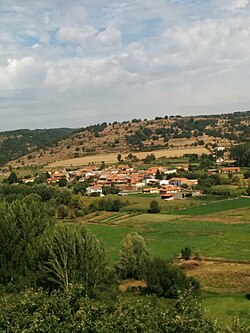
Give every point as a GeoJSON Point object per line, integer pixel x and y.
{"type": "Point", "coordinates": [216, 149]}
{"type": "Point", "coordinates": [28, 180]}
{"type": "Point", "coordinates": [163, 182]}
{"type": "Point", "coordinates": [170, 171]}
{"type": "Point", "coordinates": [95, 189]}
{"type": "Point", "coordinates": [212, 171]}
{"type": "Point", "coordinates": [150, 190]}
{"type": "Point", "coordinates": [220, 160]}
{"type": "Point", "coordinates": [181, 181]}
{"type": "Point", "coordinates": [167, 197]}
{"type": "Point", "coordinates": [230, 169]}
{"type": "Point", "coordinates": [169, 189]}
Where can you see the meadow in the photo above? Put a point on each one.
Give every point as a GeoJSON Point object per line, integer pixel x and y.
{"type": "Point", "coordinates": [216, 207]}
{"type": "Point", "coordinates": [216, 230]}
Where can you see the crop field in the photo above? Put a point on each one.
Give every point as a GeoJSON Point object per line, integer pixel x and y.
{"type": "Point", "coordinates": [112, 158]}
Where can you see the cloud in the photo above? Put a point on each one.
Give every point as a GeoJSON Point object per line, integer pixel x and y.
{"type": "Point", "coordinates": [238, 4]}
{"type": "Point", "coordinates": [80, 62]}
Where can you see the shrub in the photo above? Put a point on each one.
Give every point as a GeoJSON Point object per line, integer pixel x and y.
{"type": "Point", "coordinates": [154, 207]}
{"type": "Point", "coordinates": [186, 253]}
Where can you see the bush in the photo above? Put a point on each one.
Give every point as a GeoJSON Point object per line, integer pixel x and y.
{"type": "Point", "coordinates": [166, 280]}
{"type": "Point", "coordinates": [186, 253]}
{"type": "Point", "coordinates": [154, 207]}
{"type": "Point", "coordinates": [62, 211]}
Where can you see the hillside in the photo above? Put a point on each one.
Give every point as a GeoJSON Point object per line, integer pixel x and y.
{"type": "Point", "coordinates": [171, 133]}
{"type": "Point", "coordinates": [14, 144]}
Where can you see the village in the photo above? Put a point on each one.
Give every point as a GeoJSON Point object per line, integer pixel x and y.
{"type": "Point", "coordinates": [127, 179]}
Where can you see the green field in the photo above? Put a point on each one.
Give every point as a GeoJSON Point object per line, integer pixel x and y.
{"type": "Point", "coordinates": [225, 307]}
{"type": "Point", "coordinates": [165, 238]}
{"type": "Point", "coordinates": [216, 207]}
{"type": "Point", "coordinates": [140, 203]}
{"type": "Point", "coordinates": [217, 230]}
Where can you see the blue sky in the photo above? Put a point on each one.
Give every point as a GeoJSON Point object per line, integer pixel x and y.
{"type": "Point", "coordinates": [74, 63]}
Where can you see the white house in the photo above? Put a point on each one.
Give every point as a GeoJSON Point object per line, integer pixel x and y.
{"type": "Point", "coordinates": [94, 189]}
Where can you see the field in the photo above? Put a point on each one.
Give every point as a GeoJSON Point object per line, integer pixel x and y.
{"type": "Point", "coordinates": [221, 232]}
{"type": "Point", "coordinates": [112, 158]}
{"type": "Point", "coordinates": [216, 207]}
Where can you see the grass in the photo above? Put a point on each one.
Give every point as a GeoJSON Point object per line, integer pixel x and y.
{"type": "Point", "coordinates": [225, 307]}
{"type": "Point", "coordinates": [224, 285]}
{"type": "Point", "coordinates": [165, 235]}
{"type": "Point", "coordinates": [216, 207]}
{"type": "Point", "coordinates": [141, 202]}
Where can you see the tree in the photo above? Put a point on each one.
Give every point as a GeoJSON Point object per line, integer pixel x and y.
{"type": "Point", "coordinates": [23, 225]}
{"type": "Point", "coordinates": [64, 197]}
{"type": "Point", "coordinates": [242, 154]}
{"type": "Point", "coordinates": [74, 257]}
{"type": "Point", "coordinates": [12, 179]}
{"type": "Point", "coordinates": [149, 158]}
{"type": "Point", "coordinates": [134, 256]}
{"type": "Point", "coordinates": [62, 211]}
{"type": "Point", "coordinates": [158, 175]}
{"type": "Point", "coordinates": [154, 207]}
{"type": "Point", "coordinates": [62, 182]}
{"type": "Point", "coordinates": [119, 157]}
{"type": "Point", "coordinates": [110, 190]}
{"type": "Point", "coordinates": [248, 191]}
{"type": "Point", "coordinates": [186, 253]}
{"type": "Point", "coordinates": [166, 280]}
{"type": "Point", "coordinates": [80, 187]}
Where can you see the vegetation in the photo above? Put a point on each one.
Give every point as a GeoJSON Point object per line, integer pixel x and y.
{"type": "Point", "coordinates": [140, 135]}
{"type": "Point", "coordinates": [14, 144]}
{"type": "Point", "coordinates": [242, 154]}
{"type": "Point", "coordinates": [154, 207]}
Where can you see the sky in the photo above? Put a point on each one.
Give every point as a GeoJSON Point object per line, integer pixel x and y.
{"type": "Point", "coordinates": [72, 63]}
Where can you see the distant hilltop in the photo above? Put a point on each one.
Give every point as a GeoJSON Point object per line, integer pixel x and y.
{"type": "Point", "coordinates": [39, 147]}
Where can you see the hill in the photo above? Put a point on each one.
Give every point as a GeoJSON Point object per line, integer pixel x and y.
{"type": "Point", "coordinates": [14, 144]}
{"type": "Point", "coordinates": [170, 132]}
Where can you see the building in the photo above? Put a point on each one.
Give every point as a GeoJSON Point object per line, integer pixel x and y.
{"type": "Point", "coordinates": [230, 169]}
{"type": "Point", "coordinates": [94, 190]}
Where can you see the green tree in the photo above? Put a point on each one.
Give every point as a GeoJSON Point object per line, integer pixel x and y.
{"type": "Point", "coordinates": [149, 158]}
{"type": "Point", "coordinates": [12, 179]}
{"type": "Point", "coordinates": [158, 175]}
{"type": "Point", "coordinates": [23, 225]}
{"type": "Point", "coordinates": [242, 154]}
{"type": "Point", "coordinates": [74, 257]}
{"type": "Point", "coordinates": [166, 280]}
{"type": "Point", "coordinates": [119, 157]}
{"type": "Point", "coordinates": [63, 182]}
{"type": "Point", "coordinates": [186, 253]}
{"type": "Point", "coordinates": [134, 256]}
{"type": "Point", "coordinates": [62, 211]}
{"type": "Point", "coordinates": [154, 207]}
{"type": "Point", "coordinates": [64, 197]}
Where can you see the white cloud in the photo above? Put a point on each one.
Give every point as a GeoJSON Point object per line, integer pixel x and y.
{"type": "Point", "coordinates": [76, 34]}
{"type": "Point", "coordinates": [110, 35]}
{"type": "Point", "coordinates": [238, 4]}
{"type": "Point", "coordinates": [74, 63]}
